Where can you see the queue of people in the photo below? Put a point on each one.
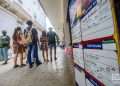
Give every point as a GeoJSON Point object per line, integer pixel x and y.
{"type": "Point", "coordinates": [25, 45]}
{"type": "Point", "coordinates": [50, 40]}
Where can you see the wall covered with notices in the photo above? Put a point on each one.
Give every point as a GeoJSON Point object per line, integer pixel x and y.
{"type": "Point", "coordinates": [77, 47]}
{"type": "Point", "coordinates": [76, 36]}
{"type": "Point", "coordinates": [94, 47]}
{"type": "Point", "coordinates": [98, 21]}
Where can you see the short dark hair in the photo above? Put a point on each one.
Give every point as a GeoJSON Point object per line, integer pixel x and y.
{"type": "Point", "coordinates": [18, 28]}
{"type": "Point", "coordinates": [29, 22]}
{"type": "Point", "coordinates": [4, 31]}
{"type": "Point", "coordinates": [44, 34]}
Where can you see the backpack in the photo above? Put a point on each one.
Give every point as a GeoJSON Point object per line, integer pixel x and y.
{"type": "Point", "coordinates": [28, 37]}
{"type": "Point", "coordinates": [51, 37]}
{"type": "Point", "coordinates": [5, 41]}
{"type": "Point", "coordinates": [1, 42]}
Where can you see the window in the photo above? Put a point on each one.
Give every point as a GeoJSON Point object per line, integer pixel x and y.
{"type": "Point", "coordinates": [35, 16]}
{"type": "Point", "coordinates": [20, 1]}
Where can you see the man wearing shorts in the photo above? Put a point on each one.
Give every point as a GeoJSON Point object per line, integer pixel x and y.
{"type": "Point", "coordinates": [52, 39]}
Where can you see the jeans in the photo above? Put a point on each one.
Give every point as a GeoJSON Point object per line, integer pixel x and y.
{"type": "Point", "coordinates": [4, 53]}
{"type": "Point", "coordinates": [32, 53]}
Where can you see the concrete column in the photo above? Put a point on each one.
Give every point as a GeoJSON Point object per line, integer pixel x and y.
{"type": "Point", "coordinates": [66, 27]}
{"type": "Point", "coordinates": [66, 34]}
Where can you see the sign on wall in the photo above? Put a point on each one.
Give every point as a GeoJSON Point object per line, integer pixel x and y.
{"type": "Point", "coordinates": [97, 40]}
{"type": "Point", "coordinates": [98, 21]}
{"type": "Point", "coordinates": [99, 46]}
{"type": "Point", "coordinates": [76, 34]}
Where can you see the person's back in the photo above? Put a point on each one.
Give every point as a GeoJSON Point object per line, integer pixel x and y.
{"type": "Point", "coordinates": [44, 38]}
{"type": "Point", "coordinates": [44, 45]}
{"type": "Point", "coordinates": [51, 37]}
{"type": "Point", "coordinates": [5, 41]}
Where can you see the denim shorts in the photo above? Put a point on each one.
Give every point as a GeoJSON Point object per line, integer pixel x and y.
{"type": "Point", "coordinates": [52, 45]}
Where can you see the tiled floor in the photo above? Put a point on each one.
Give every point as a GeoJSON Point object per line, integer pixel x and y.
{"type": "Point", "coordinates": [59, 73]}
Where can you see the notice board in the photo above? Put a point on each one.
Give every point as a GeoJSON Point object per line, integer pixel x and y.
{"type": "Point", "coordinates": [94, 44]}
{"type": "Point", "coordinates": [100, 55]}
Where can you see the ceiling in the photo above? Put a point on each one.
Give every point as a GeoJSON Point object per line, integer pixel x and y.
{"type": "Point", "coordinates": [54, 11]}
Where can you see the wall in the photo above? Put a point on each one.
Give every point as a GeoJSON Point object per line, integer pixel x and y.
{"type": "Point", "coordinates": [7, 21]}
{"type": "Point", "coordinates": [94, 46]}
{"type": "Point", "coordinates": [66, 31]}
{"type": "Point", "coordinates": [33, 8]}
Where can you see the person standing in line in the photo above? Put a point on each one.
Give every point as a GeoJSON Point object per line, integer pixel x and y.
{"type": "Point", "coordinates": [32, 42]}
{"type": "Point", "coordinates": [44, 45]}
{"type": "Point", "coordinates": [52, 40]}
{"type": "Point", "coordinates": [25, 45]}
{"type": "Point", "coordinates": [5, 45]}
{"type": "Point", "coordinates": [1, 58]}
{"type": "Point", "coordinates": [18, 46]}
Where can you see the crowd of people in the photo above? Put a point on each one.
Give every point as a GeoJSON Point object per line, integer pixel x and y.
{"type": "Point", "coordinates": [25, 45]}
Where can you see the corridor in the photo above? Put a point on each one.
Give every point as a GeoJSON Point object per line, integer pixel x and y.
{"type": "Point", "coordinates": [85, 32]}
{"type": "Point", "coordinates": [58, 73]}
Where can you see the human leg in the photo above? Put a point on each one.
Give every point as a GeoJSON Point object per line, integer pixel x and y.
{"type": "Point", "coordinates": [47, 55]}
{"type": "Point", "coordinates": [15, 49]}
{"type": "Point", "coordinates": [15, 60]}
{"type": "Point", "coordinates": [43, 54]}
{"type": "Point", "coordinates": [1, 55]}
{"type": "Point", "coordinates": [51, 54]}
{"type": "Point", "coordinates": [55, 52]}
{"type": "Point", "coordinates": [29, 55]}
{"type": "Point", "coordinates": [35, 54]}
{"type": "Point", "coordinates": [21, 60]}
{"type": "Point", "coordinates": [5, 54]}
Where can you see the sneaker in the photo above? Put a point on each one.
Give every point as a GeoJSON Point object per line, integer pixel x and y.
{"type": "Point", "coordinates": [23, 65]}
{"type": "Point", "coordinates": [30, 66]}
{"type": "Point", "coordinates": [55, 58]}
{"type": "Point", "coordinates": [4, 63]}
{"type": "Point", "coordinates": [33, 63]}
{"type": "Point", "coordinates": [15, 66]}
{"type": "Point", "coordinates": [47, 60]}
{"type": "Point", "coordinates": [37, 64]}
